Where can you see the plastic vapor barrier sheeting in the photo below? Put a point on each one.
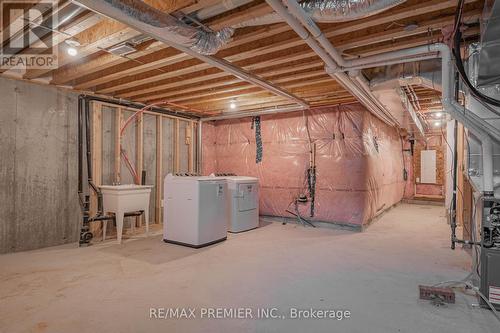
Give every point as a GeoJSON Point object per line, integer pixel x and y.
{"type": "Point", "coordinates": [359, 161]}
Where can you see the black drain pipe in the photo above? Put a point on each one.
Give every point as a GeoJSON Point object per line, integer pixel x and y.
{"type": "Point", "coordinates": [85, 234]}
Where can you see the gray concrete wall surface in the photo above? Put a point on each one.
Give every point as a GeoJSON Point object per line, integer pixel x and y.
{"type": "Point", "coordinates": [38, 166]}
{"type": "Point", "coordinates": [39, 163]}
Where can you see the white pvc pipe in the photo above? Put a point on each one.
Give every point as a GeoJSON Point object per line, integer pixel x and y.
{"type": "Point", "coordinates": [234, 115]}
{"type": "Point", "coordinates": [362, 82]}
{"type": "Point", "coordinates": [466, 117]}
{"type": "Point", "coordinates": [388, 62]}
{"type": "Point", "coordinates": [355, 84]}
{"type": "Point", "coordinates": [363, 96]}
{"type": "Point", "coordinates": [414, 53]}
{"type": "Point", "coordinates": [457, 111]}
{"type": "Point", "coordinates": [307, 21]}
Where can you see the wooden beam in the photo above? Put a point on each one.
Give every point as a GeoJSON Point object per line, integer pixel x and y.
{"type": "Point", "coordinates": [139, 154]}
{"type": "Point", "coordinates": [211, 80]}
{"type": "Point", "coordinates": [177, 165]}
{"type": "Point", "coordinates": [189, 142]}
{"type": "Point", "coordinates": [141, 61]}
{"type": "Point", "coordinates": [164, 57]}
{"type": "Point", "coordinates": [149, 59]}
{"type": "Point", "coordinates": [105, 34]}
{"type": "Point", "coordinates": [118, 120]}
{"type": "Point", "coordinates": [289, 39]}
{"type": "Point", "coordinates": [103, 61]}
{"type": "Point", "coordinates": [96, 146]}
{"type": "Point", "coordinates": [240, 89]}
{"type": "Point", "coordinates": [76, 25]}
{"type": "Point", "coordinates": [320, 86]}
{"type": "Point", "coordinates": [240, 14]}
{"type": "Point", "coordinates": [213, 90]}
{"type": "Point", "coordinates": [159, 168]}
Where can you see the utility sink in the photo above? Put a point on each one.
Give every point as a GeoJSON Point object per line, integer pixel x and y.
{"type": "Point", "coordinates": [125, 187]}
{"type": "Point", "coordinates": [126, 198]}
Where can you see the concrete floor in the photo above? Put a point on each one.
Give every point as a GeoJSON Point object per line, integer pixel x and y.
{"type": "Point", "coordinates": [375, 275]}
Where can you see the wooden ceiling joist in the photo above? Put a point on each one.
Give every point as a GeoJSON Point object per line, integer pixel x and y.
{"type": "Point", "coordinates": [109, 88]}
{"type": "Point", "coordinates": [280, 40]}
{"type": "Point", "coordinates": [156, 71]}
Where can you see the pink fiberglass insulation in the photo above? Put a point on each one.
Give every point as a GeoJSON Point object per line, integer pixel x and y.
{"type": "Point", "coordinates": [429, 189]}
{"type": "Point", "coordinates": [359, 161]}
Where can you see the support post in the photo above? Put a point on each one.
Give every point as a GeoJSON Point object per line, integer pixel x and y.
{"type": "Point", "coordinates": [139, 156]}
{"type": "Point", "coordinates": [159, 168]}
{"type": "Point", "coordinates": [189, 142]}
{"type": "Point", "coordinates": [96, 146]}
{"type": "Point", "coordinates": [117, 140]}
{"type": "Point", "coordinates": [199, 148]}
{"type": "Point", "coordinates": [177, 165]}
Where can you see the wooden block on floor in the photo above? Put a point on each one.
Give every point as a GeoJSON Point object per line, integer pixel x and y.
{"type": "Point", "coordinates": [432, 293]}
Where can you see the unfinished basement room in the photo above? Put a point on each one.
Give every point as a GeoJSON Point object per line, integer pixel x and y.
{"type": "Point", "coordinates": [250, 166]}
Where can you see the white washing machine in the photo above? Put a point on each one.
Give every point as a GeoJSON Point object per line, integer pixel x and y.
{"type": "Point", "coordinates": [195, 211]}
{"type": "Point", "coordinates": [243, 197]}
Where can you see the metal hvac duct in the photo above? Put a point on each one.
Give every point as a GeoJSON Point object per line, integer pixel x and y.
{"type": "Point", "coordinates": [196, 38]}
{"type": "Point", "coordinates": [330, 11]}
{"type": "Point", "coordinates": [489, 60]}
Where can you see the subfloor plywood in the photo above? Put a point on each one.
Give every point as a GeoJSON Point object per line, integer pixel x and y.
{"type": "Point", "coordinates": [374, 274]}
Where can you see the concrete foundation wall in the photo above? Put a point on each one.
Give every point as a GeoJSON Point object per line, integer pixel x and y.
{"type": "Point", "coordinates": [38, 166]}
{"type": "Point", "coordinates": [39, 163]}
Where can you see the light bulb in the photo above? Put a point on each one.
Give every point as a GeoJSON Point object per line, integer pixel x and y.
{"type": "Point", "coordinates": [72, 51]}
{"type": "Point", "coordinates": [438, 114]}
{"type": "Point", "coordinates": [232, 105]}
{"type": "Point", "coordinates": [437, 124]}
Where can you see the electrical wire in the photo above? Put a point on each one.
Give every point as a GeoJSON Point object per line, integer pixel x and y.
{"type": "Point", "coordinates": [453, 284]}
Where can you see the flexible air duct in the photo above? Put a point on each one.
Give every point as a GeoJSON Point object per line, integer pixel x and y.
{"type": "Point", "coordinates": [197, 39]}
{"type": "Point", "coordinates": [330, 11]}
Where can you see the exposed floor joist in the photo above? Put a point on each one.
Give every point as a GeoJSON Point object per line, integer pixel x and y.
{"type": "Point", "coordinates": [274, 52]}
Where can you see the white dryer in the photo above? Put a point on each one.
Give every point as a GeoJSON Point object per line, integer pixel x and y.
{"type": "Point", "coordinates": [243, 197]}
{"type": "Point", "coordinates": [195, 210]}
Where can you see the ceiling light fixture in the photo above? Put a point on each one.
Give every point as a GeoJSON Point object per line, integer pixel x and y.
{"type": "Point", "coordinates": [232, 105]}
{"type": "Point", "coordinates": [411, 27]}
{"type": "Point", "coordinates": [72, 51]}
{"type": "Point", "coordinates": [437, 124]}
{"type": "Point", "coordinates": [73, 45]}
{"type": "Point", "coordinates": [438, 114]}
